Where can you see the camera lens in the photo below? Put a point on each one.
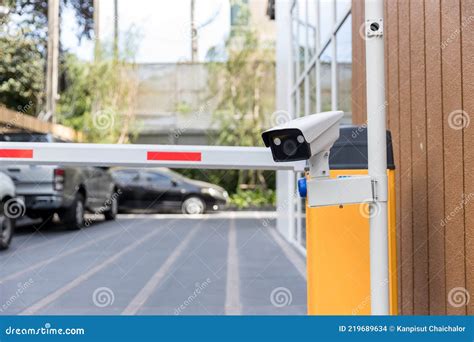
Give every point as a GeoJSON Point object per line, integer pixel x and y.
{"type": "Point", "coordinates": [290, 147]}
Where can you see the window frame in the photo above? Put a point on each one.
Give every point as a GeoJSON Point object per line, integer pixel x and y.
{"type": "Point", "coordinates": [301, 82]}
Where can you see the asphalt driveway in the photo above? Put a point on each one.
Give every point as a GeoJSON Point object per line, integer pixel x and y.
{"type": "Point", "coordinates": [228, 263]}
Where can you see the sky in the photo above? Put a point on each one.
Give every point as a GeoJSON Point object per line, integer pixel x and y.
{"type": "Point", "coordinates": [162, 28]}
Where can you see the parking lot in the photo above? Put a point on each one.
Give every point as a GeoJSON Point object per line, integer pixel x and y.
{"type": "Point", "coordinates": [215, 264]}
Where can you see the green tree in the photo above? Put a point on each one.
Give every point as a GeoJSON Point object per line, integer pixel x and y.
{"type": "Point", "coordinates": [21, 74]}
{"type": "Point", "coordinates": [244, 85]}
{"type": "Point", "coordinates": [98, 98]}
{"type": "Point", "coordinates": [33, 18]}
{"type": "Point", "coordinates": [23, 49]}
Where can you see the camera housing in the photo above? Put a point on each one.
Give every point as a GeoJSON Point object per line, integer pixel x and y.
{"type": "Point", "coordinates": [311, 138]}
{"type": "Point", "coordinates": [302, 138]}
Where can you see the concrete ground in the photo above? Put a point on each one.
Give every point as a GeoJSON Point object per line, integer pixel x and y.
{"type": "Point", "coordinates": [225, 263]}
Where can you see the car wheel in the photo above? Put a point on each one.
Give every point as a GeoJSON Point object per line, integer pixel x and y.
{"type": "Point", "coordinates": [193, 206]}
{"type": "Point", "coordinates": [73, 217]}
{"type": "Point", "coordinates": [111, 213]}
{"type": "Point", "coordinates": [7, 227]}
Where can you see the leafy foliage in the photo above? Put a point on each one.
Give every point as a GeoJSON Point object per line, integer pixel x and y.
{"type": "Point", "coordinates": [245, 198]}
{"type": "Point", "coordinates": [21, 74]}
{"type": "Point", "coordinates": [34, 17]}
{"type": "Point", "coordinates": [99, 98]}
{"type": "Point", "coordinates": [244, 85]}
{"type": "Point", "coordinates": [23, 47]}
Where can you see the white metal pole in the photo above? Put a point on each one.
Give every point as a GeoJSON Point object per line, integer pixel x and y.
{"type": "Point", "coordinates": [318, 60]}
{"type": "Point", "coordinates": [52, 62]}
{"type": "Point", "coordinates": [334, 81]}
{"type": "Point", "coordinates": [377, 153]}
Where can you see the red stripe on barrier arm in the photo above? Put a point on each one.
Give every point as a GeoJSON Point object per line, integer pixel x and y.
{"type": "Point", "coordinates": [174, 156]}
{"type": "Point", "coordinates": [15, 153]}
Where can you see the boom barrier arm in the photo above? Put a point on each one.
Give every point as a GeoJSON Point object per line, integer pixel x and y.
{"type": "Point", "coordinates": [173, 156]}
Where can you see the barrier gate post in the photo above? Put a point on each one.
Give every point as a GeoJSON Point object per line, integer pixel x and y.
{"type": "Point", "coordinates": [351, 254]}
{"type": "Point", "coordinates": [377, 153]}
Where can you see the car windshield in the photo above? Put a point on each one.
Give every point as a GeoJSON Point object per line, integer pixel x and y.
{"type": "Point", "coordinates": [129, 173]}
{"type": "Point", "coordinates": [30, 137]}
{"type": "Point", "coordinates": [172, 174]}
{"type": "Point", "coordinates": [24, 137]}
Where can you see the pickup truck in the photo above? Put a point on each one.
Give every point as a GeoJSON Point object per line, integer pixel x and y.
{"type": "Point", "coordinates": [67, 191]}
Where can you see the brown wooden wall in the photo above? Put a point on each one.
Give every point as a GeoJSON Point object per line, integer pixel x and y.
{"type": "Point", "coordinates": [429, 54]}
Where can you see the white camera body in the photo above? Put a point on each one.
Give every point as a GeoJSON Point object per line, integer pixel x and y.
{"type": "Point", "coordinates": [311, 138]}
{"type": "Point", "coordinates": [306, 138]}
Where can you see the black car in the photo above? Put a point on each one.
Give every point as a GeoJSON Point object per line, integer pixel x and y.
{"type": "Point", "coordinates": [160, 189]}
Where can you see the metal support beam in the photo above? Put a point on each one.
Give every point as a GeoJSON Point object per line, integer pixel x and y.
{"type": "Point", "coordinates": [53, 60]}
{"type": "Point", "coordinates": [173, 156]}
{"type": "Point", "coordinates": [377, 153]}
{"type": "Point", "coordinates": [350, 190]}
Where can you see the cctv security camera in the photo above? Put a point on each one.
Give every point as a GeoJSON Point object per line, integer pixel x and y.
{"type": "Point", "coordinates": [304, 137]}
{"type": "Point", "coordinates": [311, 138]}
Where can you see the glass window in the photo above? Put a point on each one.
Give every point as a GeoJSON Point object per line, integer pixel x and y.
{"type": "Point", "coordinates": [125, 175]}
{"type": "Point", "coordinates": [237, 17]}
{"type": "Point", "coordinates": [294, 42]}
{"type": "Point", "coordinates": [312, 90]}
{"type": "Point", "coordinates": [326, 17]}
{"type": "Point", "coordinates": [301, 47]}
{"type": "Point", "coordinates": [313, 24]}
{"type": "Point", "coordinates": [312, 32]}
{"type": "Point", "coordinates": [344, 67]}
{"type": "Point", "coordinates": [294, 104]}
{"type": "Point", "coordinates": [325, 69]}
{"type": "Point", "coordinates": [301, 111]}
{"type": "Point", "coordinates": [302, 30]}
{"type": "Point", "coordinates": [341, 8]}
{"type": "Point", "coordinates": [156, 177]}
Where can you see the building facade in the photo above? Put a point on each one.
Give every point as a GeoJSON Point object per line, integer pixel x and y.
{"type": "Point", "coordinates": [429, 58]}
{"type": "Point", "coordinates": [314, 74]}
{"type": "Point", "coordinates": [174, 105]}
